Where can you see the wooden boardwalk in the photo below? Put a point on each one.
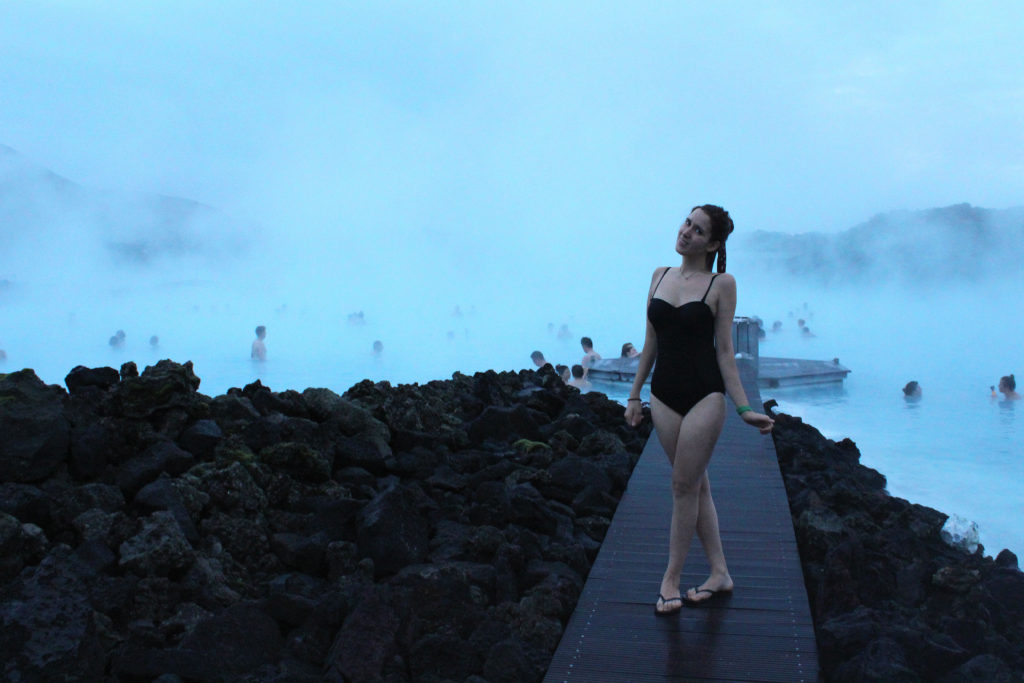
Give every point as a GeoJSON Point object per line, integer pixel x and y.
{"type": "Point", "coordinates": [763, 632]}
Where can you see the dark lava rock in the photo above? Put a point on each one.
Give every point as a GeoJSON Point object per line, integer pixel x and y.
{"type": "Point", "coordinates": [36, 432]}
{"type": "Point", "coordinates": [82, 377]}
{"type": "Point", "coordinates": [392, 532]}
{"type": "Point", "coordinates": [201, 438]}
{"type": "Point", "coordinates": [48, 629]}
{"type": "Point", "coordinates": [890, 600]}
{"type": "Point", "coordinates": [434, 532]}
{"type": "Point", "coordinates": [164, 385]}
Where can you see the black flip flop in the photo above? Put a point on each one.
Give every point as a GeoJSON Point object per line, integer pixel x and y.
{"type": "Point", "coordinates": [714, 597]}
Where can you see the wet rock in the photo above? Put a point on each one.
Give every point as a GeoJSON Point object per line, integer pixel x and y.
{"type": "Point", "coordinates": [80, 378]}
{"type": "Point", "coordinates": [47, 626]}
{"type": "Point", "coordinates": [1006, 559]}
{"type": "Point", "coordinates": [890, 598]}
{"type": "Point", "coordinates": [231, 487]}
{"type": "Point", "coordinates": [90, 448]}
{"type": "Point", "coordinates": [239, 641]}
{"type": "Point", "coordinates": [163, 495]}
{"type": "Point", "coordinates": [163, 457]}
{"type": "Point", "coordinates": [499, 423]}
{"type": "Point", "coordinates": [159, 549]}
{"type": "Point", "coordinates": [303, 553]}
{"type": "Point", "coordinates": [366, 641]}
{"type": "Point", "coordinates": [246, 539]}
{"type": "Point", "coordinates": [160, 387]}
{"type": "Point", "coordinates": [26, 502]}
{"type": "Point", "coordinates": [36, 432]}
{"type": "Point", "coordinates": [366, 526]}
{"type": "Point", "coordinates": [129, 370]}
{"type": "Point", "coordinates": [201, 439]}
{"type": "Point", "coordinates": [20, 545]}
{"type": "Point", "coordinates": [392, 532]}
{"type": "Point", "coordinates": [299, 460]}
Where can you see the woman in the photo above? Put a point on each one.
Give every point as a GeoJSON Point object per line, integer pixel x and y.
{"type": "Point", "coordinates": [1008, 385]}
{"type": "Point", "coordinates": [689, 331]}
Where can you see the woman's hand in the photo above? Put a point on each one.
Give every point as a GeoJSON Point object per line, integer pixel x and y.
{"type": "Point", "coordinates": [759, 420]}
{"type": "Point", "coordinates": [634, 413]}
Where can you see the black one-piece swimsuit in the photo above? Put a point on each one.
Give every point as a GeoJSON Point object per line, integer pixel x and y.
{"type": "Point", "coordinates": [686, 369]}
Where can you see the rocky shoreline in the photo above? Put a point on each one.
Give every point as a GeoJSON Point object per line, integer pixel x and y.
{"type": "Point", "coordinates": [891, 600]}
{"type": "Point", "coordinates": [427, 533]}
{"type": "Point", "coordinates": [421, 532]}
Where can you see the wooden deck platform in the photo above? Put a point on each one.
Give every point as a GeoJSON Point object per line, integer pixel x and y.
{"type": "Point", "coordinates": [785, 372]}
{"type": "Point", "coordinates": [762, 633]}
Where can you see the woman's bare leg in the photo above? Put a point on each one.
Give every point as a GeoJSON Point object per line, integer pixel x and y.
{"type": "Point", "coordinates": [689, 441]}
{"type": "Point", "coordinates": [711, 540]}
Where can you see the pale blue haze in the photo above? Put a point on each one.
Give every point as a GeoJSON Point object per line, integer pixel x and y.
{"type": "Point", "coordinates": [528, 163]}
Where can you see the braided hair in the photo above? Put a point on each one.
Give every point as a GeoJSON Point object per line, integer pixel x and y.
{"type": "Point", "coordinates": [721, 228]}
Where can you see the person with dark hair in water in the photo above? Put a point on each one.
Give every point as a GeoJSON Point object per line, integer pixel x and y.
{"type": "Point", "coordinates": [689, 332]}
{"type": "Point", "coordinates": [629, 351]}
{"type": "Point", "coordinates": [912, 390]}
{"type": "Point", "coordinates": [259, 348]}
{"type": "Point", "coordinates": [589, 354]}
{"type": "Point", "coordinates": [563, 372]}
{"type": "Point", "coordinates": [538, 359]}
{"type": "Point", "coordinates": [1008, 385]}
{"type": "Point", "coordinates": [579, 379]}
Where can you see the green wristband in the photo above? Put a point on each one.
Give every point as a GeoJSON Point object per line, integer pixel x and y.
{"type": "Point", "coordinates": [743, 409]}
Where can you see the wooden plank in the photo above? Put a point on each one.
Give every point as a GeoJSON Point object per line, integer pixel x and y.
{"type": "Point", "coordinates": [763, 632]}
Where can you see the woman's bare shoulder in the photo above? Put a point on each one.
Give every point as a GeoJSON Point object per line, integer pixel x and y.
{"type": "Point", "coordinates": [726, 280]}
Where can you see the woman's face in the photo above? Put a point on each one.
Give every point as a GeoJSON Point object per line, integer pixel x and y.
{"type": "Point", "coordinates": [694, 235]}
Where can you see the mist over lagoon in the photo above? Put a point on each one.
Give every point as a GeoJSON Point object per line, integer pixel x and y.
{"type": "Point", "coordinates": [957, 449]}
{"type": "Point", "coordinates": [191, 172]}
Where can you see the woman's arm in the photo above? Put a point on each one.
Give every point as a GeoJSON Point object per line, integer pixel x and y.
{"type": "Point", "coordinates": [634, 413]}
{"type": "Point", "coordinates": [724, 313]}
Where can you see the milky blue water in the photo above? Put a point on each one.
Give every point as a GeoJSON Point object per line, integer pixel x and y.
{"type": "Point", "coordinates": [956, 449]}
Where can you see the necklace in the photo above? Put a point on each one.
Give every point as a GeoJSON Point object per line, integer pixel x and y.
{"type": "Point", "coordinates": [687, 276]}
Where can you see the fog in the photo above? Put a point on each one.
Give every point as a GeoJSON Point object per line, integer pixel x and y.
{"type": "Point", "coordinates": [471, 178]}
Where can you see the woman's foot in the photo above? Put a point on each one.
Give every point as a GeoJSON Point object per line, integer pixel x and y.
{"type": "Point", "coordinates": [715, 585]}
{"type": "Point", "coordinates": [666, 606]}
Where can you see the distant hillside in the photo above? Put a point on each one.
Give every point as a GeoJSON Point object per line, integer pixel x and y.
{"type": "Point", "coordinates": [40, 207]}
{"type": "Point", "coordinates": [960, 242]}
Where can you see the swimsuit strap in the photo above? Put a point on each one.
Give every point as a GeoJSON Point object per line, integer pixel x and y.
{"type": "Point", "coordinates": [663, 274]}
{"type": "Point", "coordinates": [709, 287]}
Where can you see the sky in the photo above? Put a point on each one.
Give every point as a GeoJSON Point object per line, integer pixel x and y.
{"type": "Point", "coordinates": [540, 125]}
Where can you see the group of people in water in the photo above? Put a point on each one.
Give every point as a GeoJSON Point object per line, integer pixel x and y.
{"type": "Point", "coordinates": [577, 375]}
{"type": "Point", "coordinates": [1007, 387]}
{"type": "Point", "coordinates": [258, 351]}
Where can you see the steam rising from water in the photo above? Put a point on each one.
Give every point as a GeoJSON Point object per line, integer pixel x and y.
{"type": "Point", "coordinates": [442, 301]}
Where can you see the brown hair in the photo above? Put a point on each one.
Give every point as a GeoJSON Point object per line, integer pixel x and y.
{"type": "Point", "coordinates": [721, 228]}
